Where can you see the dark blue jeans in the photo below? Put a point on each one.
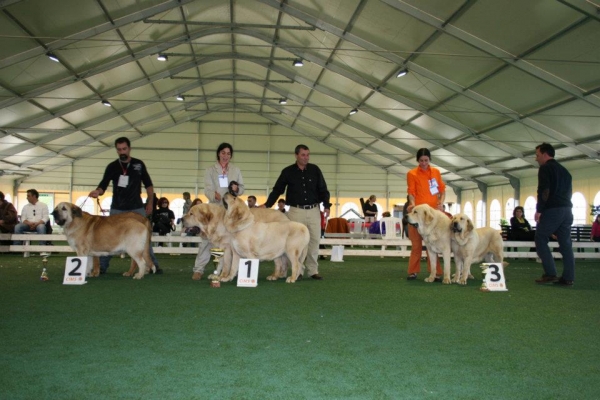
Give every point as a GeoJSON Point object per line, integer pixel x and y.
{"type": "Point", "coordinates": [105, 260]}
{"type": "Point", "coordinates": [556, 221]}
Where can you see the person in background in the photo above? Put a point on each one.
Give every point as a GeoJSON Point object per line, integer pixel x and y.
{"type": "Point", "coordinates": [425, 186]}
{"type": "Point", "coordinates": [251, 201]}
{"type": "Point", "coordinates": [375, 228]}
{"type": "Point", "coordinates": [305, 188]}
{"type": "Point", "coordinates": [281, 205]}
{"type": "Point", "coordinates": [8, 215]}
{"type": "Point", "coordinates": [187, 202]}
{"type": "Point", "coordinates": [34, 216]}
{"type": "Point", "coordinates": [520, 229]}
{"type": "Point", "coordinates": [554, 215]}
{"type": "Point", "coordinates": [163, 219]}
{"type": "Point", "coordinates": [370, 209]}
{"type": "Point", "coordinates": [127, 175]}
{"type": "Point", "coordinates": [219, 179]}
{"type": "Point", "coordinates": [595, 235]}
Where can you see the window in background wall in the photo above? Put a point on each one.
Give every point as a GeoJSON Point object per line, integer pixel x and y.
{"type": "Point", "coordinates": [480, 220]}
{"type": "Point", "coordinates": [469, 210]}
{"type": "Point", "coordinates": [177, 207]}
{"type": "Point", "coordinates": [529, 208]}
{"type": "Point", "coordinates": [509, 208]}
{"type": "Point", "coordinates": [580, 209]}
{"type": "Point", "coordinates": [495, 214]}
{"type": "Point", "coordinates": [105, 205]}
{"type": "Point", "coordinates": [88, 206]}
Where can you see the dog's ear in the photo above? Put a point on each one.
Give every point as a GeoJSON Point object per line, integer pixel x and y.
{"type": "Point", "coordinates": [76, 211]}
{"type": "Point", "coordinates": [428, 214]}
{"type": "Point", "coordinates": [470, 226]}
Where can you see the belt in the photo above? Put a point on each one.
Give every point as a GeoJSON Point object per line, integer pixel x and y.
{"type": "Point", "coordinates": [307, 207]}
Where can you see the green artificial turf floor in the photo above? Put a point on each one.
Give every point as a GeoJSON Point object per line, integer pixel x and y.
{"type": "Point", "coordinates": [364, 332]}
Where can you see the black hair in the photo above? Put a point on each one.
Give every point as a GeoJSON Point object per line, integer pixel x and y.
{"type": "Point", "coordinates": [546, 148]}
{"type": "Point", "coordinates": [34, 192]}
{"type": "Point", "coordinates": [423, 152]}
{"type": "Point", "coordinates": [122, 139]}
{"type": "Point", "coordinates": [300, 147]}
{"type": "Point", "coordinates": [224, 146]}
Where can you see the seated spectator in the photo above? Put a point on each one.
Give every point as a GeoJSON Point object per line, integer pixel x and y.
{"type": "Point", "coordinates": [375, 227]}
{"type": "Point", "coordinates": [163, 219]}
{"type": "Point", "coordinates": [520, 230]}
{"type": "Point", "coordinates": [8, 216]}
{"type": "Point", "coordinates": [595, 235]}
{"type": "Point", "coordinates": [34, 216]}
{"type": "Point", "coordinates": [370, 209]}
{"type": "Point", "coordinates": [251, 201]}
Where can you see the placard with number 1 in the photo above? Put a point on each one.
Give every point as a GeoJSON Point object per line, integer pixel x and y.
{"type": "Point", "coordinates": [248, 272]}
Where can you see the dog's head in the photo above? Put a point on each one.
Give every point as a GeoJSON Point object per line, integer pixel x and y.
{"type": "Point", "coordinates": [64, 213]}
{"type": "Point", "coordinates": [238, 215]}
{"type": "Point", "coordinates": [205, 216]}
{"type": "Point", "coordinates": [461, 223]}
{"type": "Point", "coordinates": [420, 215]}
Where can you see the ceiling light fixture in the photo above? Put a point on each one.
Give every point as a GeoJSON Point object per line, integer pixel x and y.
{"type": "Point", "coordinates": [353, 111]}
{"type": "Point", "coordinates": [52, 57]}
{"type": "Point", "coordinates": [298, 63]}
{"type": "Point", "coordinates": [283, 101]}
{"type": "Point", "coordinates": [402, 73]}
{"type": "Point", "coordinates": [180, 97]}
{"type": "Point", "coordinates": [162, 57]}
{"type": "Point", "coordinates": [106, 103]}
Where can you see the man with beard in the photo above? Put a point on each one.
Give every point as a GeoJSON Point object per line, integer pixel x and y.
{"type": "Point", "coordinates": [127, 175]}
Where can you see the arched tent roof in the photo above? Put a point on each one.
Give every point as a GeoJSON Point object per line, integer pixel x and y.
{"type": "Point", "coordinates": [486, 82]}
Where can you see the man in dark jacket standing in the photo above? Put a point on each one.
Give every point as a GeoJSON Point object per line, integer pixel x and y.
{"type": "Point", "coordinates": [554, 215]}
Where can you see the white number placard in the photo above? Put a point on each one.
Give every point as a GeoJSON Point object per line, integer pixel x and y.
{"type": "Point", "coordinates": [248, 272]}
{"type": "Point", "coordinates": [76, 269]}
{"type": "Point", "coordinates": [493, 281]}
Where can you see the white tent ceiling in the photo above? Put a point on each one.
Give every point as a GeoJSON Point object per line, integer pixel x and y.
{"type": "Point", "coordinates": [488, 80]}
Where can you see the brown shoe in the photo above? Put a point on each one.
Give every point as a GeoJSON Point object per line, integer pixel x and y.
{"type": "Point", "coordinates": [197, 276]}
{"type": "Point", "coordinates": [547, 279]}
{"type": "Point", "coordinates": [317, 277]}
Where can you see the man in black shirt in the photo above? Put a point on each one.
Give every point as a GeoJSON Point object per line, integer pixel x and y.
{"type": "Point", "coordinates": [554, 215]}
{"type": "Point", "coordinates": [306, 189]}
{"type": "Point", "coordinates": [127, 175]}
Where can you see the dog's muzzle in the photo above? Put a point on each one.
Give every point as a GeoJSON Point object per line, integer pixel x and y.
{"type": "Point", "coordinates": [456, 228]}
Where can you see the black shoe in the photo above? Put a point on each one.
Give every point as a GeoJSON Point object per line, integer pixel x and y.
{"type": "Point", "coordinates": [563, 282]}
{"type": "Point", "coordinates": [411, 277]}
{"type": "Point", "coordinates": [317, 277]}
{"type": "Point", "coordinates": [437, 279]}
{"type": "Point", "coordinates": [158, 271]}
{"type": "Point", "coordinates": [546, 279]}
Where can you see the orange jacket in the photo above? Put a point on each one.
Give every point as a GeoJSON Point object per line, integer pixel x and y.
{"type": "Point", "coordinates": [418, 185]}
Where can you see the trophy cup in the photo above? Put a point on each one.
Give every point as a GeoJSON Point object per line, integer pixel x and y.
{"type": "Point", "coordinates": [217, 254]}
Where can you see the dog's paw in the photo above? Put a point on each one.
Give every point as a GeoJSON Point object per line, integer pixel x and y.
{"type": "Point", "coordinates": [447, 281]}
{"type": "Point", "coordinates": [290, 280]}
{"type": "Point", "coordinates": [429, 280]}
{"type": "Point", "coordinates": [272, 277]}
{"type": "Point", "coordinates": [138, 276]}
{"type": "Point", "coordinates": [462, 282]}
{"type": "Point", "coordinates": [126, 273]}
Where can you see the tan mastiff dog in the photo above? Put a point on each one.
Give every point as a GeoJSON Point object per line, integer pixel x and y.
{"type": "Point", "coordinates": [92, 235]}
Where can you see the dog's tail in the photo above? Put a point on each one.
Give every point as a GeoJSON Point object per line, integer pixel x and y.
{"type": "Point", "coordinates": [149, 264]}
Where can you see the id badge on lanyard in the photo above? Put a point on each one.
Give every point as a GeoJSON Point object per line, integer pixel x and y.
{"type": "Point", "coordinates": [123, 181]}
{"type": "Point", "coordinates": [433, 186]}
{"type": "Point", "coordinates": [223, 181]}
